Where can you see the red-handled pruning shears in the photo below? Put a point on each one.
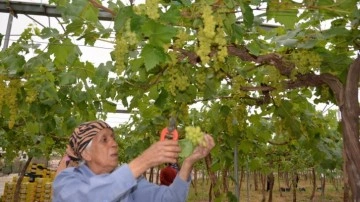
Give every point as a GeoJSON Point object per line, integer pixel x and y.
{"type": "Point", "coordinates": [170, 132]}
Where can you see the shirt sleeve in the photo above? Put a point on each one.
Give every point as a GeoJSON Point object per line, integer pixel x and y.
{"type": "Point", "coordinates": [76, 185]}
{"type": "Point", "coordinates": [176, 192]}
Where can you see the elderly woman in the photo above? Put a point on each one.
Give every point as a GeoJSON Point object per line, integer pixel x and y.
{"type": "Point", "coordinates": [99, 178]}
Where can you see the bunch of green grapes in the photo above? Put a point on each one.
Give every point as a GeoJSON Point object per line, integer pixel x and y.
{"type": "Point", "coordinates": [129, 35]}
{"type": "Point", "coordinates": [178, 80]}
{"type": "Point", "coordinates": [222, 53]}
{"type": "Point", "coordinates": [237, 82]}
{"type": "Point", "coordinates": [183, 112]}
{"type": "Point", "coordinates": [182, 38]}
{"type": "Point", "coordinates": [31, 95]}
{"type": "Point", "coordinates": [209, 21]}
{"type": "Point", "coordinates": [195, 135]}
{"type": "Point", "coordinates": [325, 93]}
{"type": "Point", "coordinates": [121, 49]}
{"type": "Point", "coordinates": [200, 79]}
{"type": "Point", "coordinates": [206, 34]}
{"type": "Point", "coordinates": [204, 48]}
{"type": "Point", "coordinates": [125, 40]}
{"type": "Point", "coordinates": [220, 40]}
{"type": "Point", "coordinates": [305, 60]}
{"type": "Point", "coordinates": [240, 112]}
{"type": "Point", "coordinates": [2, 91]}
{"type": "Point", "coordinates": [139, 9]}
{"type": "Point", "coordinates": [11, 100]}
{"type": "Point", "coordinates": [152, 9]}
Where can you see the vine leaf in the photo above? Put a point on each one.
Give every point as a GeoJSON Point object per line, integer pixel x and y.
{"type": "Point", "coordinates": [123, 15]}
{"type": "Point", "coordinates": [14, 63]}
{"type": "Point", "coordinates": [247, 14]}
{"type": "Point", "coordinates": [109, 106]}
{"type": "Point", "coordinates": [64, 52]}
{"type": "Point", "coordinates": [162, 98]}
{"type": "Point", "coordinates": [81, 8]}
{"type": "Point", "coordinates": [152, 56]}
{"type": "Point", "coordinates": [186, 148]}
{"type": "Point", "coordinates": [158, 34]}
{"type": "Point", "coordinates": [90, 13]}
{"type": "Point", "coordinates": [67, 78]}
{"type": "Point", "coordinates": [172, 15]}
{"type": "Point", "coordinates": [286, 16]}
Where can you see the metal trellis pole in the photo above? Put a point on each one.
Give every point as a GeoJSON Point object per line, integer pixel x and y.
{"type": "Point", "coordinates": [8, 31]}
{"type": "Point", "coordinates": [236, 172]}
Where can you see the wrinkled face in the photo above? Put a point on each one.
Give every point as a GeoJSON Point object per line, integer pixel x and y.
{"type": "Point", "coordinates": [102, 154]}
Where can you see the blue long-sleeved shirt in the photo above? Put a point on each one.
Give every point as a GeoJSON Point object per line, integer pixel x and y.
{"type": "Point", "coordinates": [81, 184]}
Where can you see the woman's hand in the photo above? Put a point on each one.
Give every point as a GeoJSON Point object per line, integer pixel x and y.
{"type": "Point", "coordinates": [199, 153]}
{"type": "Point", "coordinates": [202, 151]}
{"type": "Point", "coordinates": [166, 151]}
{"type": "Point", "coordinates": [160, 152]}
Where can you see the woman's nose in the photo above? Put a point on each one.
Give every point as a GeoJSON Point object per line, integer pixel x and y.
{"type": "Point", "coordinates": [113, 142]}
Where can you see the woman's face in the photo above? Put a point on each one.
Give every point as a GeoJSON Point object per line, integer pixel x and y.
{"type": "Point", "coordinates": [102, 155]}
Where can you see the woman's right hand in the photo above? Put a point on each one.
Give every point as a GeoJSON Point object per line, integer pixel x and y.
{"type": "Point", "coordinates": [166, 151]}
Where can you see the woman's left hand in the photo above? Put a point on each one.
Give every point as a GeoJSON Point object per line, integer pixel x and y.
{"type": "Point", "coordinates": [202, 151]}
